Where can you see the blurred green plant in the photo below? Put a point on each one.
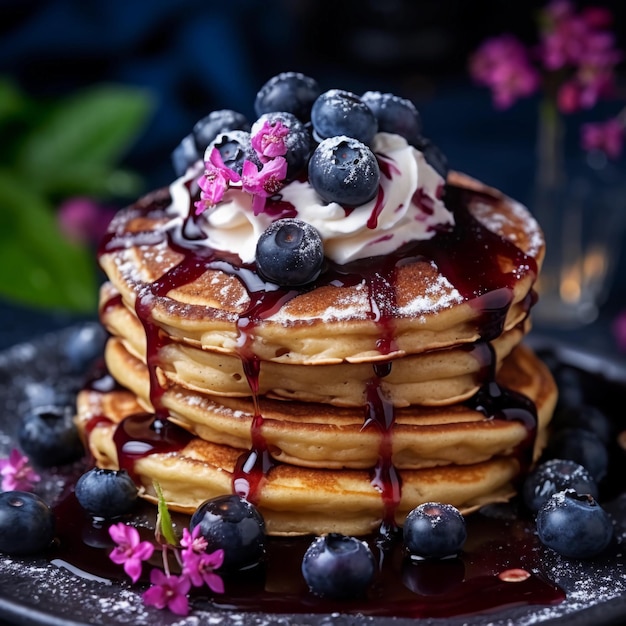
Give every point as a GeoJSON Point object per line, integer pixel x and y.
{"type": "Point", "coordinates": [50, 151]}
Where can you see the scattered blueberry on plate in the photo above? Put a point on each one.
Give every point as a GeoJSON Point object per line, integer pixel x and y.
{"type": "Point", "coordinates": [106, 493]}
{"type": "Point", "coordinates": [574, 525]}
{"type": "Point", "coordinates": [48, 436]}
{"type": "Point", "coordinates": [434, 530]}
{"type": "Point", "coordinates": [27, 523]}
{"type": "Point", "coordinates": [338, 566]}
{"type": "Point", "coordinates": [233, 524]}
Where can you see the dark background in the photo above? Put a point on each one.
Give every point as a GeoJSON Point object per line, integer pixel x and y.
{"type": "Point", "coordinates": [199, 55]}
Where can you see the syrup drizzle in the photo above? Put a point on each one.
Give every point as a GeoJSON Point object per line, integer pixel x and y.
{"type": "Point", "coordinates": [466, 264]}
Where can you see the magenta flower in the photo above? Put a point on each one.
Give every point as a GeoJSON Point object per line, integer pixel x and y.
{"type": "Point", "coordinates": [575, 49]}
{"type": "Point", "coordinates": [618, 328]}
{"type": "Point", "coordinates": [200, 569]}
{"type": "Point", "coordinates": [502, 64]}
{"type": "Point", "coordinates": [265, 182]}
{"type": "Point", "coordinates": [608, 137]}
{"type": "Point", "coordinates": [214, 182]}
{"type": "Point", "coordinates": [16, 472]}
{"type": "Point", "coordinates": [193, 541]}
{"type": "Point", "coordinates": [199, 566]}
{"type": "Point", "coordinates": [130, 550]}
{"type": "Point", "coordinates": [269, 141]}
{"type": "Point", "coordinates": [83, 220]}
{"type": "Point", "coordinates": [168, 591]}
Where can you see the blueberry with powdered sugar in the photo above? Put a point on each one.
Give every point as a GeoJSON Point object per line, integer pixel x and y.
{"type": "Point", "coordinates": [290, 253]}
{"type": "Point", "coordinates": [291, 92]}
{"type": "Point", "coordinates": [574, 525]}
{"type": "Point", "coordinates": [341, 112]}
{"type": "Point", "coordinates": [344, 170]}
{"type": "Point", "coordinates": [556, 475]}
{"type": "Point", "coordinates": [394, 114]}
{"type": "Point", "coordinates": [234, 147]}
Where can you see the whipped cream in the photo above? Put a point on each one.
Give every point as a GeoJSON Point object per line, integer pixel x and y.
{"type": "Point", "coordinates": [408, 208]}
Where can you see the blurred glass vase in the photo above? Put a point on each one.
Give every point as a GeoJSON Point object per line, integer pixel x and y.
{"type": "Point", "coordinates": [581, 210]}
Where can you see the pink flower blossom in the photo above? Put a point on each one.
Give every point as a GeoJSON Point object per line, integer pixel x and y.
{"type": "Point", "coordinates": [269, 141]}
{"type": "Point", "coordinates": [83, 220]}
{"type": "Point", "coordinates": [214, 182]}
{"type": "Point", "coordinates": [193, 541]}
{"type": "Point", "coordinates": [200, 569]}
{"type": "Point", "coordinates": [199, 566]}
{"type": "Point", "coordinates": [168, 591]}
{"type": "Point", "coordinates": [503, 65]}
{"type": "Point", "coordinates": [16, 472]}
{"type": "Point", "coordinates": [265, 182]}
{"type": "Point", "coordinates": [130, 550]}
{"type": "Point", "coordinates": [618, 328]}
{"type": "Point", "coordinates": [608, 137]}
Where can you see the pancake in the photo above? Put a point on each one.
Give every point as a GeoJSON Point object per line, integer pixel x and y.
{"type": "Point", "coordinates": [431, 294]}
{"type": "Point", "coordinates": [296, 499]}
{"type": "Point", "coordinates": [367, 360]}
{"type": "Point", "coordinates": [433, 378]}
{"type": "Point", "coordinates": [314, 435]}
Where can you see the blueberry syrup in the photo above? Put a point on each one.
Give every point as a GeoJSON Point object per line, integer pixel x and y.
{"type": "Point", "coordinates": [469, 268]}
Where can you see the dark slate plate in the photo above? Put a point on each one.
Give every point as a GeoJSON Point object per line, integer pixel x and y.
{"type": "Point", "coordinates": [36, 591]}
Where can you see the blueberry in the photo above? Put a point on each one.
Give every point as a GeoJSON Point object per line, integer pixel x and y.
{"type": "Point", "coordinates": [574, 525]}
{"type": "Point", "coordinates": [233, 524]}
{"type": "Point", "coordinates": [434, 530]}
{"type": "Point", "coordinates": [48, 436]}
{"type": "Point", "coordinates": [184, 155]}
{"type": "Point", "coordinates": [344, 170]}
{"type": "Point", "coordinates": [289, 253]}
{"type": "Point", "coordinates": [338, 566]}
{"type": "Point", "coordinates": [556, 475]}
{"type": "Point", "coordinates": [82, 346]}
{"type": "Point", "coordinates": [297, 141]}
{"type": "Point", "coordinates": [433, 155]}
{"type": "Point", "coordinates": [339, 112]}
{"type": "Point", "coordinates": [291, 92]}
{"type": "Point", "coordinates": [582, 446]}
{"type": "Point", "coordinates": [106, 493]}
{"type": "Point", "coordinates": [394, 114]}
{"type": "Point", "coordinates": [570, 383]}
{"type": "Point", "coordinates": [585, 416]}
{"type": "Point", "coordinates": [216, 122]}
{"type": "Point", "coordinates": [26, 523]}
{"type": "Point", "coordinates": [235, 147]}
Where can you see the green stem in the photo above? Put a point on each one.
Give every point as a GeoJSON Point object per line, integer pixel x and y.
{"type": "Point", "coordinates": [550, 171]}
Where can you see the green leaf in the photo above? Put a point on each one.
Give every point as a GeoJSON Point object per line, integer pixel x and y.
{"type": "Point", "coordinates": [12, 100]}
{"type": "Point", "coordinates": [95, 127]}
{"type": "Point", "coordinates": [39, 266]}
{"type": "Point", "coordinates": [165, 521]}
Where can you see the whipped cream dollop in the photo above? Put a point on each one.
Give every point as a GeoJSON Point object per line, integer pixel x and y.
{"type": "Point", "coordinates": [408, 207]}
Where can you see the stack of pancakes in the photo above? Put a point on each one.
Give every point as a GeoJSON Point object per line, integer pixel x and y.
{"type": "Point", "coordinates": [336, 407]}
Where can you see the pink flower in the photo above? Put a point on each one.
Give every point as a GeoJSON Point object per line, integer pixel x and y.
{"type": "Point", "coordinates": [269, 141]}
{"type": "Point", "coordinates": [618, 328]}
{"type": "Point", "coordinates": [193, 541]}
{"type": "Point", "coordinates": [502, 64]}
{"type": "Point", "coordinates": [200, 569]}
{"type": "Point", "coordinates": [130, 550]}
{"type": "Point", "coordinates": [16, 472]}
{"type": "Point", "coordinates": [83, 220]}
{"type": "Point", "coordinates": [214, 182]}
{"type": "Point", "coordinates": [608, 137]}
{"type": "Point", "coordinates": [168, 591]}
{"type": "Point", "coordinates": [265, 182]}
{"type": "Point", "coordinates": [197, 565]}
